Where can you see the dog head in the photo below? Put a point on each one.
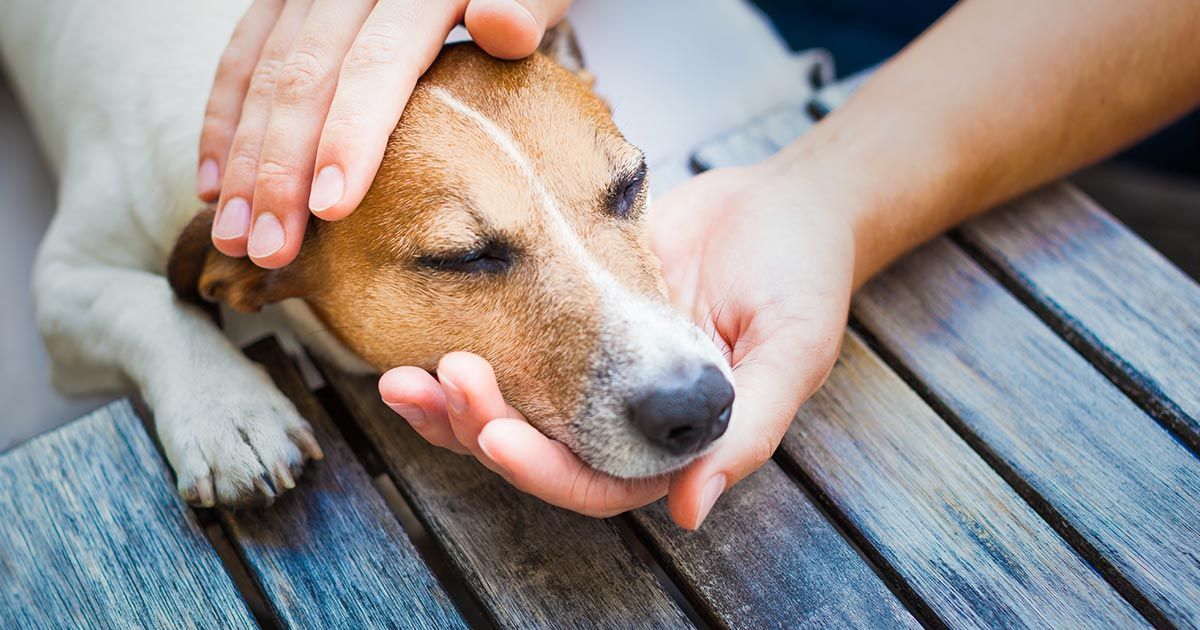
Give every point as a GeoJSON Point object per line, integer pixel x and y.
{"type": "Point", "coordinates": [508, 219]}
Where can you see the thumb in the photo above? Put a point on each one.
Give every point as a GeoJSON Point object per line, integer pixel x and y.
{"type": "Point", "coordinates": [512, 29]}
{"type": "Point", "coordinates": [768, 395]}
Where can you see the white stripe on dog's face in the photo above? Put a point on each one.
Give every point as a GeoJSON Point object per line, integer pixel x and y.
{"type": "Point", "coordinates": [549, 205]}
{"type": "Point", "coordinates": [640, 339]}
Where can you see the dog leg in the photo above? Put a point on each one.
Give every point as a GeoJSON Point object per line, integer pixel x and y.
{"type": "Point", "coordinates": [231, 436]}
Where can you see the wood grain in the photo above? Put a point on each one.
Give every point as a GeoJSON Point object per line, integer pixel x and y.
{"type": "Point", "coordinates": [93, 534]}
{"type": "Point", "coordinates": [945, 527]}
{"type": "Point", "coordinates": [946, 524]}
{"type": "Point", "coordinates": [767, 557]}
{"type": "Point", "coordinates": [528, 563]}
{"type": "Point", "coordinates": [755, 141]}
{"type": "Point", "coordinates": [1106, 475]}
{"type": "Point", "coordinates": [1115, 298]}
{"type": "Point", "coordinates": [330, 553]}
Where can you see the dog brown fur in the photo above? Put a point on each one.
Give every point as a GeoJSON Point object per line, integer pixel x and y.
{"type": "Point", "coordinates": [444, 188]}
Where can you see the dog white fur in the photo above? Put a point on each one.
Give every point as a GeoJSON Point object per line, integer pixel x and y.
{"type": "Point", "coordinates": [116, 92]}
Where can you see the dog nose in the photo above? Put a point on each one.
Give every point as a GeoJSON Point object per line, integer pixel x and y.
{"type": "Point", "coordinates": [686, 410]}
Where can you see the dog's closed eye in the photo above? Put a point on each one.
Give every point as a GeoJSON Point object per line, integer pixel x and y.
{"type": "Point", "coordinates": [626, 191]}
{"type": "Point", "coordinates": [490, 257]}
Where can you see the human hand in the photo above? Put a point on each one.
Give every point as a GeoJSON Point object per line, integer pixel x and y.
{"type": "Point", "coordinates": [315, 87]}
{"type": "Point", "coordinates": [757, 259]}
{"type": "Point", "coordinates": [763, 261]}
{"type": "Point", "coordinates": [462, 410]}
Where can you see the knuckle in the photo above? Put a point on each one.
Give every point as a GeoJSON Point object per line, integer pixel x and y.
{"type": "Point", "coordinates": [298, 76]}
{"type": "Point", "coordinates": [262, 80]}
{"type": "Point", "coordinates": [274, 177]}
{"type": "Point", "coordinates": [242, 159]}
{"type": "Point", "coordinates": [378, 45]}
{"type": "Point", "coordinates": [341, 124]}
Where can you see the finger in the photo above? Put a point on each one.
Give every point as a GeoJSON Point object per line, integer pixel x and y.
{"type": "Point", "coordinates": [396, 45]}
{"type": "Point", "coordinates": [472, 396]}
{"type": "Point", "coordinates": [231, 226]}
{"type": "Point", "coordinates": [229, 90]}
{"type": "Point", "coordinates": [547, 469]}
{"type": "Point", "coordinates": [512, 29]}
{"type": "Point", "coordinates": [521, 454]}
{"type": "Point", "coordinates": [768, 395]}
{"type": "Point", "coordinates": [416, 396]}
{"type": "Point", "coordinates": [303, 91]}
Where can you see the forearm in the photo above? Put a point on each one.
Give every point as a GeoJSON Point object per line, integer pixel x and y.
{"type": "Point", "coordinates": [997, 98]}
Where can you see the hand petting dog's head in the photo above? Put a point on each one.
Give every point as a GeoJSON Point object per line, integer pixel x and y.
{"type": "Point", "coordinates": [508, 219]}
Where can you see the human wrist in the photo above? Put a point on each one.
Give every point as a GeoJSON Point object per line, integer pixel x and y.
{"type": "Point", "coordinates": [834, 195]}
{"type": "Point", "coordinates": [893, 189]}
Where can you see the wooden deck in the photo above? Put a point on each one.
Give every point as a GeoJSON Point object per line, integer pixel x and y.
{"type": "Point", "coordinates": [1010, 438]}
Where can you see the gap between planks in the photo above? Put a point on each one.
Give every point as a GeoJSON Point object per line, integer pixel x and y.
{"type": "Point", "coordinates": [1040, 505]}
{"type": "Point", "coordinates": [430, 551]}
{"type": "Point", "coordinates": [238, 567]}
{"type": "Point", "coordinates": [892, 578]}
{"type": "Point", "coordinates": [1156, 404]}
{"type": "Point", "coordinates": [629, 531]}
{"type": "Point", "coordinates": [210, 525]}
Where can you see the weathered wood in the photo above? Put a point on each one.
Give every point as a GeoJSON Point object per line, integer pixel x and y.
{"type": "Point", "coordinates": [944, 522]}
{"type": "Point", "coordinates": [528, 563]}
{"type": "Point", "coordinates": [755, 141]}
{"type": "Point", "coordinates": [1115, 298]}
{"type": "Point", "coordinates": [760, 138]}
{"type": "Point", "coordinates": [93, 534]}
{"type": "Point", "coordinates": [767, 557]}
{"type": "Point", "coordinates": [330, 553]}
{"type": "Point", "coordinates": [945, 526]}
{"type": "Point", "coordinates": [1106, 475]}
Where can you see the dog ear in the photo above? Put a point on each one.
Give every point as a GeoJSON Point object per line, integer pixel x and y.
{"type": "Point", "coordinates": [200, 274]}
{"type": "Point", "coordinates": [560, 45]}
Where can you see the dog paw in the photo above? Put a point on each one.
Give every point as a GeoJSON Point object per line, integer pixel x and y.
{"type": "Point", "coordinates": [242, 449]}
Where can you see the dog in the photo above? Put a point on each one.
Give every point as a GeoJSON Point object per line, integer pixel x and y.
{"type": "Point", "coordinates": [508, 218]}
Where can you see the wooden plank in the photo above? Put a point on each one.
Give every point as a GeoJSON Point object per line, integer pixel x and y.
{"type": "Point", "coordinates": [1107, 476]}
{"type": "Point", "coordinates": [755, 141]}
{"type": "Point", "coordinates": [766, 557]}
{"type": "Point", "coordinates": [946, 524]}
{"type": "Point", "coordinates": [1116, 299]}
{"type": "Point", "coordinates": [330, 553]}
{"type": "Point", "coordinates": [528, 563]}
{"type": "Point", "coordinates": [946, 528]}
{"type": "Point", "coordinates": [93, 533]}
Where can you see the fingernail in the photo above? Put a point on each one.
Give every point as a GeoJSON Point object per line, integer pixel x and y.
{"type": "Point", "coordinates": [234, 221]}
{"type": "Point", "coordinates": [709, 495]}
{"type": "Point", "coordinates": [207, 177]}
{"type": "Point", "coordinates": [328, 188]}
{"type": "Point", "coordinates": [411, 413]}
{"type": "Point", "coordinates": [267, 237]}
{"type": "Point", "coordinates": [455, 399]}
{"type": "Point", "coordinates": [524, 11]}
{"type": "Point", "coordinates": [483, 446]}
